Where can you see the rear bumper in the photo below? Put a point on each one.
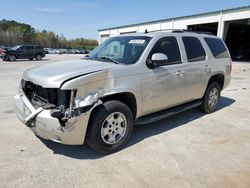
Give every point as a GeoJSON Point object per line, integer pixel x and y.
{"type": "Point", "coordinates": [227, 82]}
{"type": "Point", "coordinates": [44, 125]}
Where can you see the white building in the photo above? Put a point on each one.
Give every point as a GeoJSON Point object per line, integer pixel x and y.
{"type": "Point", "coordinates": [233, 25]}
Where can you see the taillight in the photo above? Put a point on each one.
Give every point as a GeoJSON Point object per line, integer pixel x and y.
{"type": "Point", "coordinates": [2, 51]}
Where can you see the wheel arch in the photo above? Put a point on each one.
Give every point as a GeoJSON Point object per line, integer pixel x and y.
{"type": "Point", "coordinates": [219, 78]}
{"type": "Point", "coordinates": [127, 98]}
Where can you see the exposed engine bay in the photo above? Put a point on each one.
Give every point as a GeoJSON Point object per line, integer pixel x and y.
{"type": "Point", "coordinates": [61, 102]}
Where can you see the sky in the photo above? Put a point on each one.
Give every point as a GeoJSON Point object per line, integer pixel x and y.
{"type": "Point", "coordinates": [83, 18]}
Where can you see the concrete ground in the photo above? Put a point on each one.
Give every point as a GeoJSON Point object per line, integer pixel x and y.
{"type": "Point", "coordinates": [188, 150]}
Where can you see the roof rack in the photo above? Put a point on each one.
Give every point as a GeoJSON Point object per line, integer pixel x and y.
{"type": "Point", "coordinates": [198, 32]}
{"type": "Point", "coordinates": [181, 31]}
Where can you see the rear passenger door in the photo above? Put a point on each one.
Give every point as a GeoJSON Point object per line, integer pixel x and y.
{"type": "Point", "coordinates": [195, 68]}
{"type": "Point", "coordinates": [30, 52]}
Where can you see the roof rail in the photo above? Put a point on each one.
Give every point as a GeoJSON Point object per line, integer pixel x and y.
{"type": "Point", "coordinates": [180, 31]}
{"type": "Point", "coordinates": [198, 32]}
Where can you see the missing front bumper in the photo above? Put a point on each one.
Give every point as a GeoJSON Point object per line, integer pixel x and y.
{"type": "Point", "coordinates": [48, 127]}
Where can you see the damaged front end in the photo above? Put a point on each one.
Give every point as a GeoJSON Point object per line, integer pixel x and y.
{"type": "Point", "coordinates": [55, 114]}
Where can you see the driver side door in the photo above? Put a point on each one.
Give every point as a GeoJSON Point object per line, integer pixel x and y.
{"type": "Point", "coordinates": [163, 86]}
{"type": "Point", "coordinates": [21, 52]}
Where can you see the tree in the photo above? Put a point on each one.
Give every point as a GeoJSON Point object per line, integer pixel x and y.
{"type": "Point", "coordinates": [13, 33]}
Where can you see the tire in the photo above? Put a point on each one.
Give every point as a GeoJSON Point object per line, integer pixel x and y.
{"type": "Point", "coordinates": [12, 58]}
{"type": "Point", "coordinates": [211, 98]}
{"type": "Point", "coordinates": [110, 127]}
{"type": "Point", "coordinates": [30, 59]}
{"type": "Point", "coordinates": [38, 57]}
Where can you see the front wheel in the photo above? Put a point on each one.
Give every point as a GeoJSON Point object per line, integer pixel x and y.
{"type": "Point", "coordinates": [12, 58]}
{"type": "Point", "coordinates": [110, 127]}
{"type": "Point", "coordinates": [211, 98]}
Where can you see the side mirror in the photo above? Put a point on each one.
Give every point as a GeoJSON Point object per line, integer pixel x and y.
{"type": "Point", "coordinates": [158, 59]}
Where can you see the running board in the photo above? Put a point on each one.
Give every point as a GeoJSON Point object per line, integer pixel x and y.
{"type": "Point", "coordinates": [166, 113]}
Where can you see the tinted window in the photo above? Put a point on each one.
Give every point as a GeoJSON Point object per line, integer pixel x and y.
{"type": "Point", "coordinates": [29, 48]}
{"type": "Point", "coordinates": [169, 47]}
{"type": "Point", "coordinates": [217, 48]}
{"type": "Point", "coordinates": [23, 48]}
{"type": "Point", "coordinates": [194, 49]}
{"type": "Point", "coordinates": [38, 47]}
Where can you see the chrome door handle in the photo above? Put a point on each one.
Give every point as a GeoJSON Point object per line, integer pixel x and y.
{"type": "Point", "coordinates": [206, 68]}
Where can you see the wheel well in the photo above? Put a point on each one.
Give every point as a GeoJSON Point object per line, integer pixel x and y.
{"type": "Point", "coordinates": [12, 55]}
{"type": "Point", "coordinates": [217, 78]}
{"type": "Point", "coordinates": [126, 98]}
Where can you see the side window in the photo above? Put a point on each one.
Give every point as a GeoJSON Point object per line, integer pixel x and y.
{"type": "Point", "coordinates": [194, 49]}
{"type": "Point", "coordinates": [37, 47]}
{"type": "Point", "coordinates": [217, 48]}
{"type": "Point", "coordinates": [169, 47]}
{"type": "Point", "coordinates": [29, 48]}
{"type": "Point", "coordinates": [23, 48]}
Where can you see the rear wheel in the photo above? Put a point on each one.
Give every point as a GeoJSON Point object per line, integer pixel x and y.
{"type": "Point", "coordinates": [38, 57]}
{"type": "Point", "coordinates": [30, 59]}
{"type": "Point", "coordinates": [110, 127]}
{"type": "Point", "coordinates": [211, 98]}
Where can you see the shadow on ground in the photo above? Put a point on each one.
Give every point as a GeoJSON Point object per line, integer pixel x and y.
{"type": "Point", "coordinates": [140, 132]}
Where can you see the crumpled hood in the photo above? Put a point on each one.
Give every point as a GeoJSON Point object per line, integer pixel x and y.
{"type": "Point", "coordinates": [54, 74]}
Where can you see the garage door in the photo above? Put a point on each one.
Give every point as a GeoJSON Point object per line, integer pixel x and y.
{"type": "Point", "coordinates": [104, 37]}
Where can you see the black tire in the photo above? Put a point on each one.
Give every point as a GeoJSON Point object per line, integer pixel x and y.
{"type": "Point", "coordinates": [38, 57]}
{"type": "Point", "coordinates": [30, 59]}
{"type": "Point", "coordinates": [12, 58]}
{"type": "Point", "coordinates": [98, 118]}
{"type": "Point", "coordinates": [207, 106]}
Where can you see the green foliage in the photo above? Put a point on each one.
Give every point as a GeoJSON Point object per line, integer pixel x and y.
{"type": "Point", "coordinates": [13, 33]}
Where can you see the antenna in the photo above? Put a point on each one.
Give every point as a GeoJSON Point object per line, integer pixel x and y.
{"type": "Point", "coordinates": [146, 31]}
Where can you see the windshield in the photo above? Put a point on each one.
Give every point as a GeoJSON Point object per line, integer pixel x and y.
{"type": "Point", "coordinates": [15, 47]}
{"type": "Point", "coordinates": [125, 50]}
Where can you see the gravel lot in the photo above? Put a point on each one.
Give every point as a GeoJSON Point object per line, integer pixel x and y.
{"type": "Point", "coordinates": [188, 150]}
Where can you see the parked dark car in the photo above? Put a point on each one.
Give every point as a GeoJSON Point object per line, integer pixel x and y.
{"type": "Point", "coordinates": [24, 52]}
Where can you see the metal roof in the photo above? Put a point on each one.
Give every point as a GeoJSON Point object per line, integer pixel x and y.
{"type": "Point", "coordinates": [181, 17]}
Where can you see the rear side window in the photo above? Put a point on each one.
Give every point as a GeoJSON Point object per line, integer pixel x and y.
{"type": "Point", "coordinates": [217, 48]}
{"type": "Point", "coordinates": [169, 47]}
{"type": "Point", "coordinates": [38, 47]}
{"type": "Point", "coordinates": [194, 49]}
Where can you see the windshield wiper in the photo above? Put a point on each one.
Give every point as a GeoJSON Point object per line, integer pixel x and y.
{"type": "Point", "coordinates": [109, 59]}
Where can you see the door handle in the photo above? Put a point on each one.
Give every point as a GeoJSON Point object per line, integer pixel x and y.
{"type": "Point", "coordinates": [206, 68]}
